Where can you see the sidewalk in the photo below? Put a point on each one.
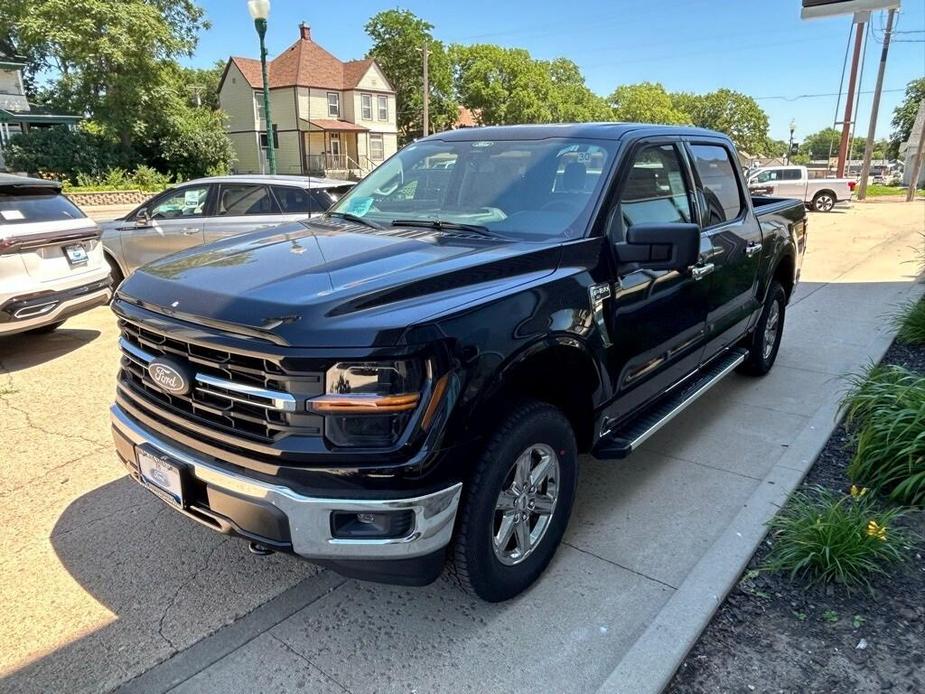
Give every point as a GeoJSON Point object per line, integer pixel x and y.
{"type": "Point", "coordinates": [654, 543]}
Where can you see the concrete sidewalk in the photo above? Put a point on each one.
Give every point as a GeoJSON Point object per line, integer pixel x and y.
{"type": "Point", "coordinates": [655, 541]}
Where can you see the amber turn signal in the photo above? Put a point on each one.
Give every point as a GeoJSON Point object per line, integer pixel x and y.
{"type": "Point", "coordinates": [365, 404]}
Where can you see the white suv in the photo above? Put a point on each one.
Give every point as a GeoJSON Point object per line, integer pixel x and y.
{"type": "Point", "coordinates": [51, 257]}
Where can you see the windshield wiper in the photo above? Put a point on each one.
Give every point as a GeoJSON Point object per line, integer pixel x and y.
{"type": "Point", "coordinates": [353, 218]}
{"type": "Point", "coordinates": [441, 225]}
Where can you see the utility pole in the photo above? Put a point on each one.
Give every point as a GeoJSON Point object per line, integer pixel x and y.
{"type": "Point", "coordinates": [875, 108]}
{"type": "Point", "coordinates": [919, 153]}
{"type": "Point", "coordinates": [860, 23]}
{"type": "Point", "coordinates": [426, 91]}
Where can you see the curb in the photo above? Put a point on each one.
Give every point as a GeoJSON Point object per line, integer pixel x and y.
{"type": "Point", "coordinates": [652, 661]}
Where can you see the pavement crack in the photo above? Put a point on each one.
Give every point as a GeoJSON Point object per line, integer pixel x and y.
{"type": "Point", "coordinates": [181, 588]}
{"type": "Point", "coordinates": [626, 568]}
{"type": "Point", "coordinates": [308, 662]}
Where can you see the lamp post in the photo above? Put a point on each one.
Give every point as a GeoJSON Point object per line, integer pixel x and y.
{"type": "Point", "coordinates": [793, 127]}
{"type": "Point", "coordinates": [259, 11]}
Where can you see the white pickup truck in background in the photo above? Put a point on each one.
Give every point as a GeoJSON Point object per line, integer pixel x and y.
{"type": "Point", "coordinates": [819, 194]}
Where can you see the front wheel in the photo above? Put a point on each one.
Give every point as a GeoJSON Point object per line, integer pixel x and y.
{"type": "Point", "coordinates": [823, 201]}
{"type": "Point", "coordinates": [518, 503]}
{"type": "Point", "coordinates": [765, 340]}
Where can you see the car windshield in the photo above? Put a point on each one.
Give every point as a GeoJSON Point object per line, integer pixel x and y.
{"type": "Point", "coordinates": [523, 189]}
{"type": "Point", "coordinates": [41, 207]}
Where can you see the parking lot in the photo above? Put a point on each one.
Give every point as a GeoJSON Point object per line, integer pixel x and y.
{"type": "Point", "coordinates": [101, 582]}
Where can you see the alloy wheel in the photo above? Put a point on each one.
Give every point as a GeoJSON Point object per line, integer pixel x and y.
{"type": "Point", "coordinates": [824, 203]}
{"type": "Point", "coordinates": [771, 328]}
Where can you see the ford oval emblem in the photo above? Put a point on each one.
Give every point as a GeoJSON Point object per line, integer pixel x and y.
{"type": "Point", "coordinates": [169, 376]}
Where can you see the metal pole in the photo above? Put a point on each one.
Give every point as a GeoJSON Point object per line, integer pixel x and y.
{"type": "Point", "coordinates": [261, 25]}
{"type": "Point", "coordinates": [875, 107]}
{"type": "Point", "coordinates": [426, 92]}
{"type": "Point", "coordinates": [849, 102]}
{"type": "Point", "coordinates": [917, 160]}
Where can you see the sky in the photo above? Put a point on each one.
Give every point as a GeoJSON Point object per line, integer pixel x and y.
{"type": "Point", "coordinates": [757, 47]}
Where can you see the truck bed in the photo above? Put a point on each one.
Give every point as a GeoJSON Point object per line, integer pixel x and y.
{"type": "Point", "coordinates": [792, 209]}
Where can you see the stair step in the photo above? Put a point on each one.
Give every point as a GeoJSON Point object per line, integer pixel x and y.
{"type": "Point", "coordinates": [627, 437]}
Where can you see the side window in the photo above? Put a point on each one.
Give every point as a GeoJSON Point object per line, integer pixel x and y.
{"type": "Point", "coordinates": [720, 187]}
{"type": "Point", "coordinates": [183, 202]}
{"type": "Point", "coordinates": [242, 199]}
{"type": "Point", "coordinates": [655, 192]}
{"type": "Point", "coordinates": [294, 200]}
{"type": "Point", "coordinates": [792, 175]}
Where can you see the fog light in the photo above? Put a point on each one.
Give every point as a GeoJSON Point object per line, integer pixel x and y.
{"type": "Point", "coordinates": [383, 525]}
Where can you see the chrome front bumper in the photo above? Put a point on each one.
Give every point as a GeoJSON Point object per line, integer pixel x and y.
{"type": "Point", "coordinates": [310, 517]}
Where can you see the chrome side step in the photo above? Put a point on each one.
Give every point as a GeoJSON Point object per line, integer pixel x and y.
{"type": "Point", "coordinates": [624, 439]}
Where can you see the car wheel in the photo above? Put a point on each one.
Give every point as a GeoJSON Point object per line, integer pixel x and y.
{"type": "Point", "coordinates": [516, 508]}
{"type": "Point", "coordinates": [823, 202]}
{"type": "Point", "coordinates": [765, 340]}
{"type": "Point", "coordinates": [115, 274]}
{"type": "Point", "coordinates": [45, 329]}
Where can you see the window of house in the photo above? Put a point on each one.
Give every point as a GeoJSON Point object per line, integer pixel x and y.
{"type": "Point", "coordinates": [383, 108]}
{"type": "Point", "coordinates": [258, 105]}
{"type": "Point", "coordinates": [719, 185]}
{"type": "Point", "coordinates": [376, 147]}
{"type": "Point", "coordinates": [242, 199]}
{"type": "Point", "coordinates": [334, 104]}
{"type": "Point", "coordinates": [366, 102]}
{"type": "Point", "coordinates": [655, 191]}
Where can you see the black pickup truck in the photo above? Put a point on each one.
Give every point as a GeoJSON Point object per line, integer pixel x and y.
{"type": "Point", "coordinates": [411, 378]}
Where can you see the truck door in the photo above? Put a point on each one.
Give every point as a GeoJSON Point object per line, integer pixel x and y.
{"type": "Point", "coordinates": [656, 317]}
{"type": "Point", "coordinates": [727, 219]}
{"type": "Point", "coordinates": [792, 184]}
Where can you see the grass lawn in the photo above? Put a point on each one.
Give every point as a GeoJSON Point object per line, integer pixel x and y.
{"type": "Point", "coordinates": [876, 190]}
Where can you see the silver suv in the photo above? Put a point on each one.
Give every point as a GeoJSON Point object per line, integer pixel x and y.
{"type": "Point", "coordinates": [210, 209]}
{"type": "Point", "coordinates": [51, 258]}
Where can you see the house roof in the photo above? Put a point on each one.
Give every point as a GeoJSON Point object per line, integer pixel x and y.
{"type": "Point", "coordinates": [325, 124]}
{"type": "Point", "coordinates": [305, 64]}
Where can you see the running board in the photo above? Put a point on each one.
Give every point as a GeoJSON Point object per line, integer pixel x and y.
{"type": "Point", "coordinates": [620, 442]}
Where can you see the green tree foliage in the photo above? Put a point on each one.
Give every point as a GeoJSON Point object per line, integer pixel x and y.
{"type": "Point", "coordinates": [189, 142]}
{"type": "Point", "coordinates": [775, 148]}
{"type": "Point", "coordinates": [819, 145]}
{"type": "Point", "coordinates": [398, 38]}
{"type": "Point", "coordinates": [507, 85]}
{"type": "Point", "coordinates": [200, 85]}
{"type": "Point", "coordinates": [64, 154]}
{"type": "Point", "coordinates": [733, 113]}
{"type": "Point", "coordinates": [646, 102]}
{"type": "Point", "coordinates": [904, 115]}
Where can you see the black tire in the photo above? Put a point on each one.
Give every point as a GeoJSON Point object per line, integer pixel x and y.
{"type": "Point", "coordinates": [45, 329]}
{"type": "Point", "coordinates": [760, 358]}
{"type": "Point", "coordinates": [477, 565]}
{"type": "Point", "coordinates": [824, 201]}
{"type": "Point", "coordinates": [115, 274]}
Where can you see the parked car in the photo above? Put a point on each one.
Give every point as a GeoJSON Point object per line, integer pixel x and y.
{"type": "Point", "coordinates": [415, 373]}
{"type": "Point", "coordinates": [51, 258]}
{"type": "Point", "coordinates": [209, 209]}
{"type": "Point", "coordinates": [820, 194]}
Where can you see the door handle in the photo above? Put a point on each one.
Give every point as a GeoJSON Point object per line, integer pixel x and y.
{"type": "Point", "coordinates": [752, 248]}
{"type": "Point", "coordinates": [189, 231]}
{"type": "Point", "coordinates": [698, 272]}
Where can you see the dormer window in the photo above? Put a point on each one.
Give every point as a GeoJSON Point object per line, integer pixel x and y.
{"type": "Point", "coordinates": [334, 104]}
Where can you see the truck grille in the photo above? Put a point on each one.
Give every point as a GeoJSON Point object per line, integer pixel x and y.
{"type": "Point", "coordinates": [232, 394]}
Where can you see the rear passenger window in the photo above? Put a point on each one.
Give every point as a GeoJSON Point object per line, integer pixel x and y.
{"type": "Point", "coordinates": [655, 192]}
{"type": "Point", "coordinates": [241, 199]}
{"type": "Point", "coordinates": [720, 187]}
{"type": "Point", "coordinates": [296, 200]}
{"type": "Point", "coordinates": [792, 175]}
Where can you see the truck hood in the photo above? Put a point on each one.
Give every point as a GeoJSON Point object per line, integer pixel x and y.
{"type": "Point", "coordinates": [326, 283]}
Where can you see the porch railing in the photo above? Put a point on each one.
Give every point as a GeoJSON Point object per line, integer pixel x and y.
{"type": "Point", "coordinates": [322, 164]}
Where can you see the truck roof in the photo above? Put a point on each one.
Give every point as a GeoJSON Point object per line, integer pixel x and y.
{"type": "Point", "coordinates": [599, 131]}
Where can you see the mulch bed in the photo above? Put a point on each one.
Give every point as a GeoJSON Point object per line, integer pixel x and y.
{"type": "Point", "coordinates": [771, 635]}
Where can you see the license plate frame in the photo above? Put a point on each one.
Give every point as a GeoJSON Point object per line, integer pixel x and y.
{"type": "Point", "coordinates": [162, 476]}
{"type": "Point", "coordinates": [76, 254]}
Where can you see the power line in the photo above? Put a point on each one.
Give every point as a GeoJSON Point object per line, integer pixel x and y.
{"type": "Point", "coordinates": [814, 96]}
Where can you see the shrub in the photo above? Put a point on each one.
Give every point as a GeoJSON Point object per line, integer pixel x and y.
{"type": "Point", "coordinates": [63, 154]}
{"type": "Point", "coordinates": [885, 408]}
{"type": "Point", "coordinates": [910, 323]}
{"type": "Point", "coordinates": [826, 537]}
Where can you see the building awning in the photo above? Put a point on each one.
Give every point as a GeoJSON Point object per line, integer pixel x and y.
{"type": "Point", "coordinates": [340, 125]}
{"type": "Point", "coordinates": [38, 116]}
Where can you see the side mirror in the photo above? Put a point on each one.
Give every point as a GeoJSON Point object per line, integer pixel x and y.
{"type": "Point", "coordinates": [661, 246]}
{"type": "Point", "coordinates": [142, 218]}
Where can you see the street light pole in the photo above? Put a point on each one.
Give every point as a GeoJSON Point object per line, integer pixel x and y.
{"type": "Point", "coordinates": [793, 127]}
{"type": "Point", "coordinates": [259, 11]}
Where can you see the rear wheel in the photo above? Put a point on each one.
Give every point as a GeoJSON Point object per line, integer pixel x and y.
{"type": "Point", "coordinates": [517, 506]}
{"type": "Point", "coordinates": [765, 340]}
{"type": "Point", "coordinates": [824, 201]}
{"type": "Point", "coordinates": [115, 274]}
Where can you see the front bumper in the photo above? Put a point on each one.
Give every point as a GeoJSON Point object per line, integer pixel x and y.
{"type": "Point", "coordinates": [299, 523]}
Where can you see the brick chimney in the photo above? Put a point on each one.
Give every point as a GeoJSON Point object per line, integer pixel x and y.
{"type": "Point", "coordinates": [305, 31]}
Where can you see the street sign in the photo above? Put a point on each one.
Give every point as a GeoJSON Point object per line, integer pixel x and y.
{"type": "Point", "coordinates": [813, 9]}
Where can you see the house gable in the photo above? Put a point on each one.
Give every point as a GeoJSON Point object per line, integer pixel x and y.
{"type": "Point", "coordinates": [372, 78]}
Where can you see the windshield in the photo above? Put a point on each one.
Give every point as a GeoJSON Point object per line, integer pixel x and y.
{"type": "Point", "coordinates": [524, 189]}
{"type": "Point", "coordinates": [41, 207]}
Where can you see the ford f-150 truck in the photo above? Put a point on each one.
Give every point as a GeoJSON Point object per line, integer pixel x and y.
{"type": "Point", "coordinates": [820, 194]}
{"type": "Point", "coordinates": [411, 377]}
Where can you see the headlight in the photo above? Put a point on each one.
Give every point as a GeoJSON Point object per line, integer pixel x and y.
{"type": "Point", "coordinates": [369, 404]}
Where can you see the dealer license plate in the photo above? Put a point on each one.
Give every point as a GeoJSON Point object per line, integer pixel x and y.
{"type": "Point", "coordinates": [76, 254]}
{"type": "Point", "coordinates": [161, 477]}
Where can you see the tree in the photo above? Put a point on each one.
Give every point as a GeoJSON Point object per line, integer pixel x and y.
{"type": "Point", "coordinates": [398, 37]}
{"type": "Point", "coordinates": [820, 145]}
{"type": "Point", "coordinates": [730, 112]}
{"type": "Point", "coordinates": [774, 148]}
{"type": "Point", "coordinates": [571, 100]}
{"type": "Point", "coordinates": [200, 85]}
{"type": "Point", "coordinates": [62, 154]}
{"type": "Point", "coordinates": [646, 102]}
{"type": "Point", "coordinates": [904, 116]}
{"type": "Point", "coordinates": [109, 56]}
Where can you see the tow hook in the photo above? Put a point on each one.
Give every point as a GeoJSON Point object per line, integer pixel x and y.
{"type": "Point", "coordinates": [259, 549]}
